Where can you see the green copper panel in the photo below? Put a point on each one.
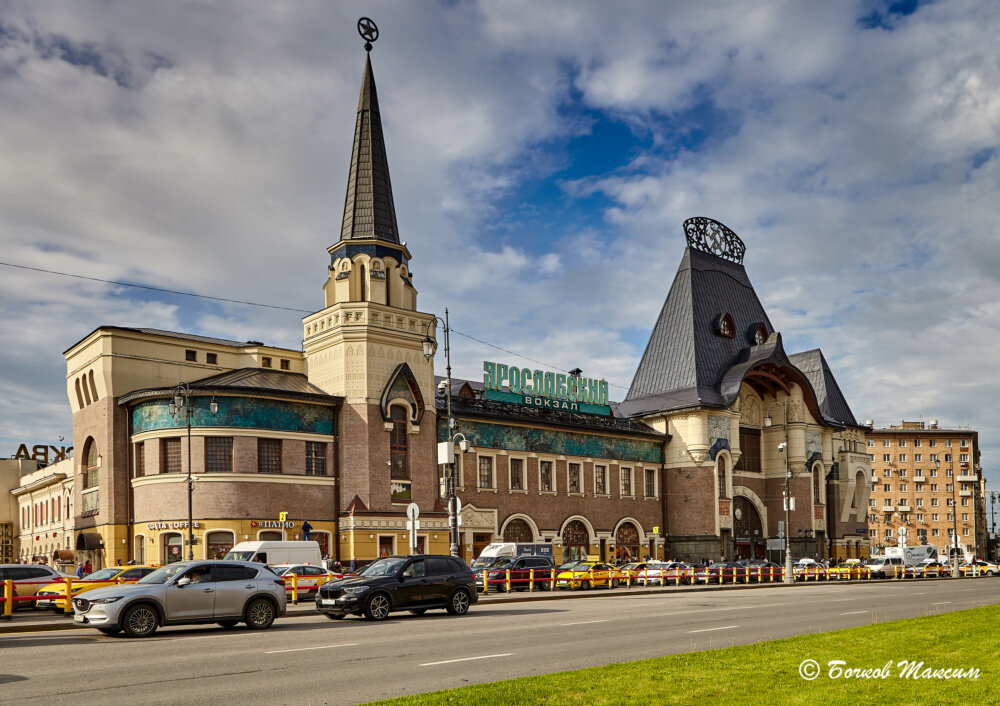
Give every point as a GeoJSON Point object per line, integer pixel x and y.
{"type": "Point", "coordinates": [241, 412]}
{"type": "Point", "coordinates": [550, 441]}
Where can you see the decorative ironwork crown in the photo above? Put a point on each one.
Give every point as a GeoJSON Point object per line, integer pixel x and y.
{"type": "Point", "coordinates": [713, 237]}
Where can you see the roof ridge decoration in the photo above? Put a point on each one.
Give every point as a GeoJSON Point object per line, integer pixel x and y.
{"type": "Point", "coordinates": [714, 238]}
{"type": "Point", "coordinates": [369, 211]}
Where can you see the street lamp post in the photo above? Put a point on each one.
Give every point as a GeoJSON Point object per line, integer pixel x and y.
{"type": "Point", "coordinates": [182, 402]}
{"type": "Point", "coordinates": [430, 347]}
{"type": "Point", "coordinates": [783, 449]}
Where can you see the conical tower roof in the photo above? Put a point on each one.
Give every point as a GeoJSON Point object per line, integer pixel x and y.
{"type": "Point", "coordinates": [369, 212]}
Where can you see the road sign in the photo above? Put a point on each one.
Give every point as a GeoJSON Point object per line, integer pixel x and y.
{"type": "Point", "coordinates": [790, 504]}
{"type": "Point", "coordinates": [774, 545]}
{"type": "Point", "coordinates": [781, 529]}
{"type": "Point", "coordinates": [412, 525]}
{"type": "Point", "coordinates": [282, 517]}
{"type": "Point", "coordinates": [412, 511]}
{"type": "Point", "coordinates": [457, 506]}
{"type": "Point", "coordinates": [656, 530]}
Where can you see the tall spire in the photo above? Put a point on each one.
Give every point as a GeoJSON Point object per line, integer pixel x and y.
{"type": "Point", "coordinates": [368, 208]}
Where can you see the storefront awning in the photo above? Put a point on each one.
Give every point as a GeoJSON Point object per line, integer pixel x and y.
{"type": "Point", "coordinates": [88, 540]}
{"type": "Point", "coordinates": [67, 555]}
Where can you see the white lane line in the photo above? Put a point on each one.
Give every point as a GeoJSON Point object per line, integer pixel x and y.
{"type": "Point", "coordinates": [856, 612]}
{"type": "Point", "coordinates": [727, 627]}
{"type": "Point", "coordinates": [321, 647]}
{"type": "Point", "coordinates": [841, 600]}
{"type": "Point", "coordinates": [919, 594]}
{"type": "Point", "coordinates": [587, 622]}
{"type": "Point", "coordinates": [941, 603]}
{"type": "Point", "coordinates": [465, 659]}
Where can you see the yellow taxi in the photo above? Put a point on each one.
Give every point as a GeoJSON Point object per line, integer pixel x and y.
{"type": "Point", "coordinates": [848, 569]}
{"type": "Point", "coordinates": [589, 574]}
{"type": "Point", "coordinates": [54, 593]}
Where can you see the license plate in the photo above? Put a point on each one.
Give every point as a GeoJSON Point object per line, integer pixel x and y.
{"type": "Point", "coordinates": [328, 601]}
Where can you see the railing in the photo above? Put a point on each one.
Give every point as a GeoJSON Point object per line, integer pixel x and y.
{"type": "Point", "coordinates": [10, 600]}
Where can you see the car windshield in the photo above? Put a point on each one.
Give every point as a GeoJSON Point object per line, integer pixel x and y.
{"type": "Point", "coordinates": [382, 567]}
{"type": "Point", "coordinates": [163, 574]}
{"type": "Point", "coordinates": [103, 574]}
{"type": "Point", "coordinates": [583, 566]}
{"type": "Point", "coordinates": [568, 565]}
{"type": "Point", "coordinates": [239, 556]}
{"type": "Point", "coordinates": [281, 570]}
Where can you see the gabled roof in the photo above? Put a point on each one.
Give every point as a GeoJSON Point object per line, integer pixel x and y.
{"type": "Point", "coordinates": [369, 212]}
{"type": "Point", "coordinates": [831, 400]}
{"type": "Point", "coordinates": [686, 357]}
{"type": "Point", "coordinates": [262, 383]}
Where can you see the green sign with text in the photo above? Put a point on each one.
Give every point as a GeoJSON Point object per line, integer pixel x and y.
{"type": "Point", "coordinates": [535, 388]}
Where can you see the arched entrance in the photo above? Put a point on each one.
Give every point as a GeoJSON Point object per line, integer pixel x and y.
{"type": "Point", "coordinates": [517, 530]}
{"type": "Point", "coordinates": [173, 548]}
{"type": "Point", "coordinates": [576, 541]}
{"type": "Point", "coordinates": [748, 530]}
{"type": "Point", "coordinates": [626, 543]}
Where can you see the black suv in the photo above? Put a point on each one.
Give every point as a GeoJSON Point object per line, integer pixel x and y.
{"type": "Point", "coordinates": [520, 574]}
{"type": "Point", "coordinates": [415, 583]}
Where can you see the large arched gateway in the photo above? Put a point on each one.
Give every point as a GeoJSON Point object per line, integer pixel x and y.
{"type": "Point", "coordinates": [748, 530]}
{"type": "Point", "coordinates": [576, 541]}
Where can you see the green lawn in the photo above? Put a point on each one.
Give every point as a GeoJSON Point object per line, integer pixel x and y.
{"type": "Point", "coordinates": [768, 672]}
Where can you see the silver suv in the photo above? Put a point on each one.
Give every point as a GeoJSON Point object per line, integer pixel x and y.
{"type": "Point", "coordinates": [188, 592]}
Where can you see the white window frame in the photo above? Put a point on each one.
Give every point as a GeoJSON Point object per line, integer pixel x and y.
{"type": "Point", "coordinates": [580, 481]}
{"type": "Point", "coordinates": [606, 493]}
{"type": "Point", "coordinates": [631, 476]}
{"type": "Point", "coordinates": [524, 474]}
{"type": "Point", "coordinates": [554, 475]}
{"type": "Point", "coordinates": [656, 483]}
{"type": "Point", "coordinates": [493, 472]}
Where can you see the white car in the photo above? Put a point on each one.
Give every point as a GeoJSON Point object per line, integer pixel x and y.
{"type": "Point", "coordinates": [310, 577]}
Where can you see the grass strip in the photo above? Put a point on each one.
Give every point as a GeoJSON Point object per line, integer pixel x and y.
{"type": "Point", "coordinates": [768, 672]}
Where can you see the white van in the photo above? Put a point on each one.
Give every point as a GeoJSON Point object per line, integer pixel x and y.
{"type": "Point", "coordinates": [511, 550]}
{"type": "Point", "coordinates": [277, 552]}
{"type": "Point", "coordinates": [885, 566]}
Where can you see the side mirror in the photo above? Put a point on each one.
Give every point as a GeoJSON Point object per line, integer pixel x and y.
{"type": "Point", "coordinates": [184, 581]}
{"type": "Point", "coordinates": [400, 576]}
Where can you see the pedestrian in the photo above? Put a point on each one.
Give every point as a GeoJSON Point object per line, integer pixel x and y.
{"type": "Point", "coordinates": [118, 562]}
{"type": "Point", "coordinates": [353, 565]}
{"type": "Point", "coordinates": [79, 571]}
{"type": "Point", "coordinates": [87, 568]}
{"type": "Point", "coordinates": [306, 530]}
{"type": "Point", "coordinates": [338, 568]}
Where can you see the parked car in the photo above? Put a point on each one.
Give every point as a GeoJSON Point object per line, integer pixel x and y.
{"type": "Point", "coordinates": [28, 579]}
{"type": "Point", "coordinates": [885, 566]}
{"type": "Point", "coordinates": [720, 572]}
{"type": "Point", "coordinates": [520, 574]}
{"type": "Point", "coordinates": [979, 567]}
{"type": "Point", "coordinates": [589, 574]}
{"type": "Point", "coordinates": [809, 570]}
{"type": "Point", "coordinates": [642, 572]}
{"type": "Point", "coordinates": [113, 575]}
{"type": "Point", "coordinates": [310, 577]}
{"type": "Point", "coordinates": [186, 592]}
{"type": "Point", "coordinates": [762, 571]}
{"type": "Point", "coordinates": [414, 583]}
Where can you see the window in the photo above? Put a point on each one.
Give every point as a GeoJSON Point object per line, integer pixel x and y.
{"type": "Point", "coordinates": [750, 446]}
{"type": "Point", "coordinates": [650, 482]}
{"type": "Point", "coordinates": [963, 458]}
{"type": "Point", "coordinates": [212, 358]}
{"type": "Point", "coordinates": [902, 443]}
{"type": "Point", "coordinates": [917, 442]}
{"type": "Point", "coordinates": [965, 443]}
{"type": "Point", "coordinates": [218, 454]}
{"type": "Point", "coordinates": [626, 482]}
{"type": "Point", "coordinates": [947, 443]}
{"type": "Point", "coordinates": [485, 471]}
{"type": "Point", "coordinates": [887, 458]}
{"type": "Point", "coordinates": [933, 443]}
{"type": "Point", "coordinates": [269, 455]}
{"type": "Point", "coordinates": [934, 502]}
{"type": "Point", "coordinates": [920, 502]}
{"type": "Point", "coordinates": [871, 443]}
{"type": "Point", "coordinates": [885, 443]}
{"type": "Point", "coordinates": [947, 458]}
{"type": "Point", "coordinates": [902, 473]}
{"type": "Point", "coordinates": [934, 516]}
{"type": "Point", "coordinates": [573, 478]}
{"type": "Point", "coordinates": [886, 488]}
{"type": "Point", "coordinates": [935, 532]}
{"type": "Point", "coordinates": [965, 502]}
{"type": "Point", "coordinates": [600, 480]}
{"type": "Point", "coordinates": [398, 451]}
{"type": "Point", "coordinates": [218, 544]}
{"type": "Point", "coordinates": [887, 472]}
{"type": "Point", "coordinates": [722, 476]}
{"type": "Point", "coordinates": [950, 502]}
{"type": "Point", "coordinates": [191, 355]}
{"type": "Point", "coordinates": [965, 517]}
{"type": "Point", "coordinates": [516, 474]}
{"type": "Point", "coordinates": [171, 456]}
{"type": "Point", "coordinates": [965, 532]}
{"type": "Point", "coordinates": [545, 476]}
{"type": "Point", "coordinates": [920, 517]}
{"type": "Point", "coordinates": [315, 458]}
{"type": "Point", "coordinates": [902, 458]}
{"type": "Point", "coordinates": [265, 362]}
{"type": "Point", "coordinates": [949, 473]}
{"type": "Point", "coordinates": [888, 533]}
{"type": "Point", "coordinates": [934, 457]}
{"type": "Point", "coordinates": [140, 460]}
{"type": "Point", "coordinates": [933, 473]}
{"type": "Point", "coordinates": [902, 487]}
{"type": "Point", "coordinates": [904, 518]}
{"type": "Point", "coordinates": [285, 365]}
{"type": "Point", "coordinates": [917, 458]}
{"type": "Point", "coordinates": [949, 488]}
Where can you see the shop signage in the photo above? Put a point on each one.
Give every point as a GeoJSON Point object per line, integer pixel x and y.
{"type": "Point", "coordinates": [169, 525]}
{"type": "Point", "coordinates": [535, 388]}
{"type": "Point", "coordinates": [272, 524]}
{"type": "Point", "coordinates": [40, 452]}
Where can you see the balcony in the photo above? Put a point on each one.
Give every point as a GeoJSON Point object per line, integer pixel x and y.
{"type": "Point", "coordinates": [888, 508]}
{"type": "Point", "coordinates": [965, 493]}
{"type": "Point", "coordinates": [903, 508]}
{"type": "Point", "coordinates": [919, 479]}
{"type": "Point", "coordinates": [967, 479]}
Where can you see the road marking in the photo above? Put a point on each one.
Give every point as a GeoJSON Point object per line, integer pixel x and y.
{"type": "Point", "coordinates": [919, 594]}
{"type": "Point", "coordinates": [841, 600]}
{"type": "Point", "coordinates": [856, 612]}
{"type": "Point", "coordinates": [941, 603]}
{"type": "Point", "coordinates": [321, 647]}
{"type": "Point", "coordinates": [465, 659]}
{"type": "Point", "coordinates": [587, 622]}
{"type": "Point", "coordinates": [727, 627]}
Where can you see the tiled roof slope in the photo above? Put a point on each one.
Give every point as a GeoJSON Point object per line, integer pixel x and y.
{"type": "Point", "coordinates": [831, 400]}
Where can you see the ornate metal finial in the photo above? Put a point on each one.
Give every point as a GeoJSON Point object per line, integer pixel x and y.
{"type": "Point", "coordinates": [712, 237]}
{"type": "Point", "coordinates": [368, 31]}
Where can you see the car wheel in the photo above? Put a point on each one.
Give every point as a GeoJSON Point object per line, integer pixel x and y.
{"type": "Point", "coordinates": [139, 621]}
{"type": "Point", "coordinates": [334, 616]}
{"type": "Point", "coordinates": [109, 631]}
{"type": "Point", "coordinates": [585, 585]}
{"type": "Point", "coordinates": [227, 624]}
{"type": "Point", "coordinates": [614, 583]}
{"type": "Point", "coordinates": [259, 614]}
{"type": "Point", "coordinates": [989, 573]}
{"type": "Point", "coordinates": [459, 603]}
{"type": "Point", "coordinates": [418, 611]}
{"type": "Point", "coordinates": [377, 607]}
{"type": "Point", "coordinates": [543, 585]}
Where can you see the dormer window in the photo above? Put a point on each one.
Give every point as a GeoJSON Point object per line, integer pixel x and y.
{"type": "Point", "coordinates": [759, 335]}
{"type": "Point", "coordinates": [726, 327]}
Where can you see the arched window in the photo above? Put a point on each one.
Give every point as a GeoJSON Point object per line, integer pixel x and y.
{"type": "Point", "coordinates": [626, 542]}
{"type": "Point", "coordinates": [271, 536]}
{"type": "Point", "coordinates": [139, 549]}
{"type": "Point", "coordinates": [79, 393]}
{"type": "Point", "coordinates": [93, 387]}
{"type": "Point", "coordinates": [173, 548]}
{"type": "Point", "coordinates": [218, 544]}
{"type": "Point", "coordinates": [363, 283]}
{"type": "Point", "coordinates": [86, 391]}
{"type": "Point", "coordinates": [817, 486]}
{"type": "Point", "coordinates": [397, 443]}
{"type": "Point", "coordinates": [721, 463]}
{"type": "Point", "coordinates": [91, 465]}
{"type": "Point", "coordinates": [517, 530]}
{"type": "Point", "coordinates": [576, 541]}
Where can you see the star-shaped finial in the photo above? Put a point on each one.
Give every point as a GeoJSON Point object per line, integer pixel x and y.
{"type": "Point", "coordinates": [368, 31]}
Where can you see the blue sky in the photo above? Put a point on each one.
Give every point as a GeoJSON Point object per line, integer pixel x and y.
{"type": "Point", "coordinates": [543, 158]}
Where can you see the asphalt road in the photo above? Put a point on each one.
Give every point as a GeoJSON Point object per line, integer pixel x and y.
{"type": "Point", "coordinates": [318, 661]}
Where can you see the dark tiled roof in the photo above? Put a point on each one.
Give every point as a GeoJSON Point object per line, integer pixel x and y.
{"type": "Point", "coordinates": [831, 400]}
{"type": "Point", "coordinates": [200, 339]}
{"type": "Point", "coordinates": [686, 358]}
{"type": "Point", "coordinates": [368, 207]}
{"type": "Point", "coordinates": [257, 379]}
